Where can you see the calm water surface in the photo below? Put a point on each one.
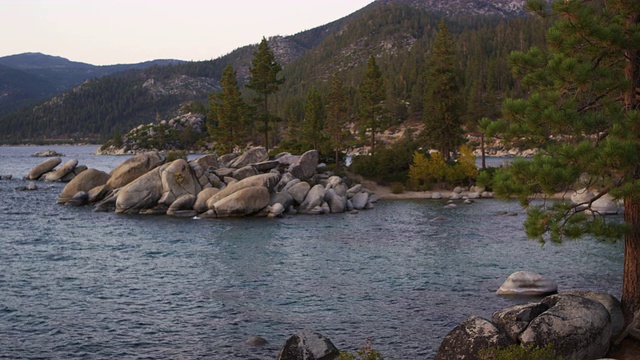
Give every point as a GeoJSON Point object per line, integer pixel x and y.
{"type": "Point", "coordinates": [78, 284]}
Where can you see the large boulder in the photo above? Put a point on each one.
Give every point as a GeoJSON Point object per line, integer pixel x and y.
{"type": "Point", "coordinates": [605, 205]}
{"type": "Point", "coordinates": [244, 172]}
{"type": "Point", "coordinates": [360, 200]}
{"type": "Point", "coordinates": [143, 193]}
{"type": "Point", "coordinates": [314, 198]}
{"type": "Point", "coordinates": [526, 283]}
{"type": "Point", "coordinates": [85, 181]}
{"type": "Point", "coordinates": [466, 340]}
{"type": "Point", "coordinates": [298, 191]}
{"type": "Point", "coordinates": [252, 156]}
{"type": "Point", "coordinates": [65, 169]}
{"type": "Point", "coordinates": [306, 166]}
{"type": "Point", "coordinates": [177, 180]}
{"type": "Point", "coordinates": [207, 162]}
{"type": "Point", "coordinates": [337, 203]}
{"type": "Point", "coordinates": [308, 345]}
{"type": "Point", "coordinates": [577, 327]}
{"type": "Point", "coordinates": [269, 181]}
{"type": "Point", "coordinates": [225, 159]}
{"type": "Point", "coordinates": [613, 306]}
{"type": "Point", "coordinates": [243, 202]}
{"type": "Point", "coordinates": [134, 167]}
{"type": "Point", "coordinates": [201, 200]}
{"type": "Point", "coordinates": [183, 206]}
{"type": "Point", "coordinates": [282, 198]}
{"type": "Point", "coordinates": [43, 168]}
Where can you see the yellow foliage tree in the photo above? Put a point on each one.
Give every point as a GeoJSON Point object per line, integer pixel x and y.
{"type": "Point", "coordinates": [418, 171]}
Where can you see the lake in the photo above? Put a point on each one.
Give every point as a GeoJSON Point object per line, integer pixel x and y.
{"type": "Point", "coordinates": [79, 284]}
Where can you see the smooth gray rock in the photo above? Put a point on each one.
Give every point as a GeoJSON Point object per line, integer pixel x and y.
{"type": "Point", "coordinates": [276, 210]}
{"type": "Point", "coordinates": [284, 199]}
{"type": "Point", "coordinates": [256, 341]}
{"type": "Point", "coordinates": [62, 171]}
{"type": "Point", "coordinates": [577, 327]}
{"type": "Point", "coordinates": [284, 181]}
{"type": "Point", "coordinates": [134, 167]}
{"type": "Point", "coordinates": [98, 193]}
{"type": "Point", "coordinates": [201, 200]}
{"type": "Point", "coordinates": [527, 283]}
{"type": "Point", "coordinates": [360, 200]}
{"type": "Point", "coordinates": [244, 172]}
{"type": "Point", "coordinates": [208, 162]}
{"type": "Point", "coordinates": [177, 180]}
{"type": "Point", "coordinates": [467, 339]}
{"type": "Point", "coordinates": [85, 181]}
{"type": "Point", "coordinates": [225, 159]}
{"type": "Point", "coordinates": [314, 198]}
{"type": "Point", "coordinates": [308, 345]}
{"type": "Point", "coordinates": [143, 193]}
{"type": "Point", "coordinates": [265, 166]}
{"type": "Point", "coordinates": [252, 156]}
{"type": "Point", "coordinates": [337, 204]}
{"type": "Point", "coordinates": [268, 181]}
{"type": "Point", "coordinates": [243, 202]}
{"type": "Point", "coordinates": [305, 167]}
{"type": "Point", "coordinates": [298, 191]}
{"type": "Point", "coordinates": [43, 167]}
{"type": "Point", "coordinates": [184, 202]}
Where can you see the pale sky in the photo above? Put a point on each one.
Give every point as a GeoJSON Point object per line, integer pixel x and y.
{"type": "Point", "coordinates": [106, 32]}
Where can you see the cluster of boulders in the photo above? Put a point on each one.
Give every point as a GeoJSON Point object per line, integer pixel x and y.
{"type": "Point", "coordinates": [47, 153]}
{"type": "Point", "coordinates": [210, 186]}
{"type": "Point", "coordinates": [48, 171]}
{"type": "Point", "coordinates": [577, 324]}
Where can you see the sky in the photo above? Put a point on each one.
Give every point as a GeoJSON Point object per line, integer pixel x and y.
{"type": "Point", "coordinates": [107, 32]}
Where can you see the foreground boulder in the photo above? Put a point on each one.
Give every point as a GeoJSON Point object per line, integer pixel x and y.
{"type": "Point", "coordinates": [142, 193]}
{"type": "Point", "coordinates": [243, 202]}
{"type": "Point", "coordinates": [308, 345]}
{"type": "Point", "coordinates": [526, 283]}
{"type": "Point", "coordinates": [577, 328]}
{"type": "Point", "coordinates": [65, 169]}
{"type": "Point", "coordinates": [466, 340]}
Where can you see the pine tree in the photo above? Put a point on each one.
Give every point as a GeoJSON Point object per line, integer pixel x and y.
{"type": "Point", "coordinates": [314, 119]}
{"type": "Point", "coordinates": [583, 115]}
{"type": "Point", "coordinates": [373, 93]}
{"type": "Point", "coordinates": [227, 113]}
{"type": "Point", "coordinates": [337, 115]}
{"type": "Point", "coordinates": [264, 81]}
{"type": "Point", "coordinates": [443, 110]}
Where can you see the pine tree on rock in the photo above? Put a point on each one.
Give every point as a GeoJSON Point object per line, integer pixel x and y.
{"type": "Point", "coordinates": [373, 93]}
{"type": "Point", "coordinates": [228, 128]}
{"type": "Point", "coordinates": [582, 114]}
{"type": "Point", "coordinates": [443, 103]}
{"type": "Point", "coordinates": [264, 81]}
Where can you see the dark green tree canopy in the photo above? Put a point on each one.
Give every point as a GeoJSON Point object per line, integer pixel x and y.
{"type": "Point", "coordinates": [582, 116]}
{"type": "Point", "coordinates": [227, 124]}
{"type": "Point", "coordinates": [443, 103]}
{"type": "Point", "coordinates": [373, 93]}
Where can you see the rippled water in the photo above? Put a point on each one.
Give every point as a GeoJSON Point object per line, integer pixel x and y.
{"type": "Point", "coordinates": [78, 284]}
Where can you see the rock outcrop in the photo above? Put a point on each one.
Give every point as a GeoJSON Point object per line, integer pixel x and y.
{"type": "Point", "coordinates": [578, 325]}
{"type": "Point", "coordinates": [227, 186]}
{"type": "Point", "coordinates": [308, 345]}
{"type": "Point", "coordinates": [526, 283]}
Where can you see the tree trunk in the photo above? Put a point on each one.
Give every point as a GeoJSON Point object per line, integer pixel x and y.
{"type": "Point", "coordinates": [483, 152]}
{"type": "Point", "coordinates": [266, 124]}
{"type": "Point", "coordinates": [631, 277]}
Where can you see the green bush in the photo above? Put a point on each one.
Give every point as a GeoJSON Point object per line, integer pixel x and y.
{"type": "Point", "coordinates": [175, 155]}
{"type": "Point", "coordinates": [366, 353]}
{"type": "Point", "coordinates": [397, 187]}
{"type": "Point", "coordinates": [517, 352]}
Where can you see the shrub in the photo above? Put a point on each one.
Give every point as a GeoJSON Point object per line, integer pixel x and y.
{"type": "Point", "coordinates": [397, 187]}
{"type": "Point", "coordinates": [175, 155]}
{"type": "Point", "coordinates": [366, 353]}
{"type": "Point", "coordinates": [517, 352]}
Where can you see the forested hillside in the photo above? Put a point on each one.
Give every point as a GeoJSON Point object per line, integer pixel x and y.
{"type": "Point", "coordinates": [399, 36]}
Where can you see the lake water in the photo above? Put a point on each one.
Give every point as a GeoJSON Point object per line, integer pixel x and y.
{"type": "Point", "coordinates": [79, 284]}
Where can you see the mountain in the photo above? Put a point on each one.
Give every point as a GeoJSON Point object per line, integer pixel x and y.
{"type": "Point", "coordinates": [398, 32]}
{"type": "Point", "coordinates": [29, 77]}
{"type": "Point", "coordinates": [452, 8]}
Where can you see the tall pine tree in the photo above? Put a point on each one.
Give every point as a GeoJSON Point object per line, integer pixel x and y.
{"type": "Point", "coordinates": [443, 103]}
{"type": "Point", "coordinates": [337, 115]}
{"type": "Point", "coordinates": [228, 128]}
{"type": "Point", "coordinates": [264, 81]}
{"type": "Point", "coordinates": [373, 93]}
{"type": "Point", "coordinates": [583, 116]}
{"type": "Point", "coordinates": [314, 119]}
